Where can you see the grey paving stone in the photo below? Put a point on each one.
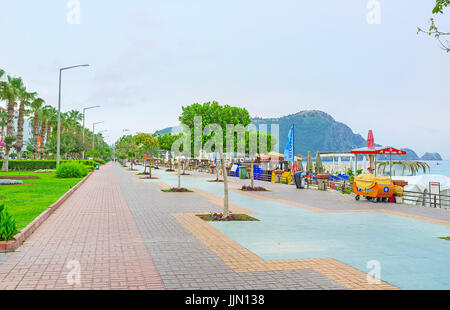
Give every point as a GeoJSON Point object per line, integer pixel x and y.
{"type": "Point", "coordinates": [183, 261]}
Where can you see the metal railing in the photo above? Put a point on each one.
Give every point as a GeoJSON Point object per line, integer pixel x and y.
{"type": "Point", "coordinates": [427, 199]}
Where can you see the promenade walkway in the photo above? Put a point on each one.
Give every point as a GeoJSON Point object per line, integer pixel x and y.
{"type": "Point", "coordinates": [182, 259]}
{"type": "Point", "coordinates": [90, 242]}
{"type": "Point", "coordinates": [118, 231]}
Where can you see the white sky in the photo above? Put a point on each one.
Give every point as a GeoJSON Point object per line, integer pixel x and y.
{"type": "Point", "coordinates": [149, 58]}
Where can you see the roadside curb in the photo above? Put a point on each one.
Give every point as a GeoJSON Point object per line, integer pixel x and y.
{"type": "Point", "coordinates": [12, 245]}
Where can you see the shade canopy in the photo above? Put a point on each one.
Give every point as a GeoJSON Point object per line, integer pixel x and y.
{"type": "Point", "coordinates": [380, 150]}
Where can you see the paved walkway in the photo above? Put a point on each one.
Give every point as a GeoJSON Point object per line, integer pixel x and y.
{"type": "Point", "coordinates": [182, 260]}
{"type": "Point", "coordinates": [121, 232]}
{"type": "Point", "coordinates": [401, 239]}
{"type": "Point", "coordinates": [94, 233]}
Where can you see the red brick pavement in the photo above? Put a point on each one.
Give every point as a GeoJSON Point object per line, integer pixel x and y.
{"type": "Point", "coordinates": [93, 230]}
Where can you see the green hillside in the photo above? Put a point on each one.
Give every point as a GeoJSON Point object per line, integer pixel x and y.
{"type": "Point", "coordinates": [315, 131]}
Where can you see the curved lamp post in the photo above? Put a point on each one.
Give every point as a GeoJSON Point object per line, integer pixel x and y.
{"type": "Point", "coordinates": [93, 133]}
{"type": "Point", "coordinates": [58, 140]}
{"type": "Point", "coordinates": [84, 117]}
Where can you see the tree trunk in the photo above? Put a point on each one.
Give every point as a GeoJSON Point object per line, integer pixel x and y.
{"type": "Point", "coordinates": [43, 130]}
{"type": "Point", "coordinates": [9, 131]}
{"type": "Point", "coordinates": [47, 140]}
{"type": "Point", "coordinates": [252, 182]}
{"type": "Point", "coordinates": [226, 209]}
{"type": "Point", "coordinates": [217, 171]}
{"type": "Point", "coordinates": [150, 170]}
{"type": "Point", "coordinates": [35, 133]}
{"type": "Point", "coordinates": [20, 120]}
{"type": "Point", "coordinates": [5, 160]}
{"type": "Point", "coordinates": [179, 176]}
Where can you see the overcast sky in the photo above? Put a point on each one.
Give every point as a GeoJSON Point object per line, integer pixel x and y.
{"type": "Point", "coordinates": [149, 58]}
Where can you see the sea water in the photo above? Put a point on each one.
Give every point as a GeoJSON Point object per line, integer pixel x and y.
{"type": "Point", "coordinates": [438, 167]}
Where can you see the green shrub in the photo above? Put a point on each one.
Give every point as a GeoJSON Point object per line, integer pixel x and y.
{"type": "Point", "coordinates": [100, 161]}
{"type": "Point", "coordinates": [8, 227]}
{"type": "Point", "coordinates": [32, 165]}
{"type": "Point", "coordinates": [72, 170]}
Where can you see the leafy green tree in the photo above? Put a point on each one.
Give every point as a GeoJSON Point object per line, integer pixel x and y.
{"type": "Point", "coordinates": [24, 98]}
{"type": "Point", "coordinates": [146, 143]}
{"type": "Point", "coordinates": [214, 114]}
{"type": "Point", "coordinates": [433, 30]}
{"type": "Point", "coordinates": [166, 141]}
{"type": "Point", "coordinates": [36, 108]}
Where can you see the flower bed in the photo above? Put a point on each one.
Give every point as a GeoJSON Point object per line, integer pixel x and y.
{"type": "Point", "coordinates": [19, 177]}
{"type": "Point", "coordinates": [10, 182]}
{"type": "Point", "coordinates": [176, 190]}
{"type": "Point", "coordinates": [253, 189]}
{"type": "Point", "coordinates": [218, 217]}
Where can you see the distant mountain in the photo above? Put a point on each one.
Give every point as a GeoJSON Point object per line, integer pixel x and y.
{"type": "Point", "coordinates": [431, 156]}
{"type": "Point", "coordinates": [317, 131]}
{"type": "Point", "coordinates": [176, 129]}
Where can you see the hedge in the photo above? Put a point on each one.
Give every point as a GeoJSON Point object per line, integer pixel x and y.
{"type": "Point", "coordinates": [31, 165]}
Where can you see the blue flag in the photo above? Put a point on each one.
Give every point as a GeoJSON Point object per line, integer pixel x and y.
{"type": "Point", "coordinates": [289, 150]}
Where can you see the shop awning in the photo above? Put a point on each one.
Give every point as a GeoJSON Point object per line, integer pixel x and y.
{"type": "Point", "coordinates": [381, 150]}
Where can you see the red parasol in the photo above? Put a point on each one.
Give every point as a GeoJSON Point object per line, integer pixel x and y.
{"type": "Point", "coordinates": [370, 140]}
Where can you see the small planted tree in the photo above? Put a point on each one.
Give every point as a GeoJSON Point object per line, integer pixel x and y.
{"type": "Point", "coordinates": [166, 141]}
{"type": "Point", "coordinates": [147, 144]}
{"type": "Point", "coordinates": [215, 119]}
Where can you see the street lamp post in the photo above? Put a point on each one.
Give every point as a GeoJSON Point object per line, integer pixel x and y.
{"type": "Point", "coordinates": [93, 134]}
{"type": "Point", "coordinates": [98, 133]}
{"type": "Point", "coordinates": [58, 140]}
{"type": "Point", "coordinates": [84, 116]}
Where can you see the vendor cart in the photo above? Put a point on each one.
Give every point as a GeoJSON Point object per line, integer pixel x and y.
{"type": "Point", "coordinates": [373, 188]}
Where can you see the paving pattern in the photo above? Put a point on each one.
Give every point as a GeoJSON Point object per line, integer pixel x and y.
{"type": "Point", "coordinates": [90, 242]}
{"type": "Point", "coordinates": [182, 260]}
{"type": "Point", "coordinates": [361, 221]}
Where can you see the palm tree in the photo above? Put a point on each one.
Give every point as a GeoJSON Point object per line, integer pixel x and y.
{"type": "Point", "coordinates": [24, 98]}
{"type": "Point", "coordinates": [44, 117]}
{"type": "Point", "coordinates": [309, 164]}
{"type": "Point", "coordinates": [8, 92]}
{"type": "Point", "coordinates": [36, 107]}
{"type": "Point", "coordinates": [412, 166]}
{"type": "Point", "coordinates": [52, 123]}
{"type": "Point", "coordinates": [3, 123]}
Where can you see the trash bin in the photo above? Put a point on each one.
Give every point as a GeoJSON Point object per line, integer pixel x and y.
{"type": "Point", "coordinates": [97, 167]}
{"type": "Point", "coordinates": [242, 173]}
{"type": "Point", "coordinates": [299, 179]}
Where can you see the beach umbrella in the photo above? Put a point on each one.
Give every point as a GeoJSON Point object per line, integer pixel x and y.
{"type": "Point", "coordinates": [309, 164]}
{"type": "Point", "coordinates": [370, 140]}
{"type": "Point", "coordinates": [299, 163]}
{"type": "Point", "coordinates": [339, 164]}
{"type": "Point", "coordinates": [364, 164]}
{"type": "Point", "coordinates": [319, 166]}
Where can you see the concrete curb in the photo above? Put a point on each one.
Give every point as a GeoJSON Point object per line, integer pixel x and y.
{"type": "Point", "coordinates": [12, 245]}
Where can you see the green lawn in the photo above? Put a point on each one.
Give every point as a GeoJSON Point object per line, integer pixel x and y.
{"type": "Point", "coordinates": [25, 203]}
